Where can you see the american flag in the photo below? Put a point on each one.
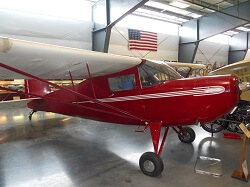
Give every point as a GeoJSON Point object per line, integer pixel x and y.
{"type": "Point", "coordinates": [142, 40]}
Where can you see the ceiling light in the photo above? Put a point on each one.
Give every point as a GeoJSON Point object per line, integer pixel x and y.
{"type": "Point", "coordinates": [179, 4]}
{"type": "Point", "coordinates": [243, 29]}
{"type": "Point", "coordinates": [230, 33]}
{"type": "Point", "coordinates": [153, 13]}
{"type": "Point", "coordinates": [157, 15]}
{"type": "Point", "coordinates": [194, 15]}
{"type": "Point", "coordinates": [182, 20]}
{"type": "Point", "coordinates": [167, 7]}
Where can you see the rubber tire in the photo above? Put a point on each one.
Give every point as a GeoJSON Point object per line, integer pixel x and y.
{"type": "Point", "coordinates": [155, 159]}
{"type": "Point", "coordinates": [209, 129]}
{"type": "Point", "coordinates": [191, 134]}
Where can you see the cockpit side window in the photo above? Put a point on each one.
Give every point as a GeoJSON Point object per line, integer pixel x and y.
{"type": "Point", "coordinates": [147, 77]}
{"type": "Point", "coordinates": [152, 73]}
{"type": "Point", "coordinates": [120, 83]}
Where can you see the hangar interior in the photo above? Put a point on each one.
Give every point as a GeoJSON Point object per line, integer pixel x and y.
{"type": "Point", "coordinates": [54, 149]}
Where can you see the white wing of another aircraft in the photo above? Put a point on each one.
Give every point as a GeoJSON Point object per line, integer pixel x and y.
{"type": "Point", "coordinates": [55, 62]}
{"type": "Point", "coordinates": [242, 70]}
{"type": "Point", "coordinates": [189, 65]}
{"type": "Point", "coordinates": [186, 68]}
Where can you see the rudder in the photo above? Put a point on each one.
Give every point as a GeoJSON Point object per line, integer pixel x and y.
{"type": "Point", "coordinates": [36, 87]}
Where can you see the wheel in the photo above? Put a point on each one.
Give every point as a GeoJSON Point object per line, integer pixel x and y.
{"type": "Point", "coordinates": [213, 127]}
{"type": "Point", "coordinates": [151, 164]}
{"type": "Point", "coordinates": [189, 137]}
{"type": "Point", "coordinates": [233, 127]}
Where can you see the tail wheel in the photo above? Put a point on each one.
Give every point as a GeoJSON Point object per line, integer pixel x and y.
{"type": "Point", "coordinates": [151, 164]}
{"type": "Point", "coordinates": [189, 135]}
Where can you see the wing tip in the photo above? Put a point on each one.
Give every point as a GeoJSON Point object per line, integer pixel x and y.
{"type": "Point", "coordinates": [5, 44]}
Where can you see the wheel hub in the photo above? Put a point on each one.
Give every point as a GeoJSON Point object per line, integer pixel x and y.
{"type": "Point", "coordinates": [149, 166]}
{"type": "Point", "coordinates": [186, 136]}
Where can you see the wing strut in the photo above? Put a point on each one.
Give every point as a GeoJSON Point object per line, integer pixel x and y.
{"type": "Point", "coordinates": [74, 92]}
{"type": "Point", "coordinates": [72, 82]}
{"type": "Point", "coordinates": [91, 82]}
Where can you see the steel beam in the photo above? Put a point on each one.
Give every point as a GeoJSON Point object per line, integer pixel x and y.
{"type": "Point", "coordinates": [189, 41]}
{"type": "Point", "coordinates": [215, 7]}
{"type": "Point", "coordinates": [233, 2]}
{"type": "Point", "coordinates": [194, 31]}
{"type": "Point", "coordinates": [106, 13]}
{"type": "Point", "coordinates": [188, 52]}
{"type": "Point", "coordinates": [239, 44]}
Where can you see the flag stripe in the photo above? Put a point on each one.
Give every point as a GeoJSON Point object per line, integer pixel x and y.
{"type": "Point", "coordinates": [143, 45]}
{"type": "Point", "coordinates": [143, 48]}
{"type": "Point", "coordinates": [142, 40]}
{"type": "Point", "coordinates": [147, 36]}
{"type": "Point", "coordinates": [149, 33]}
{"type": "Point", "coordinates": [148, 39]}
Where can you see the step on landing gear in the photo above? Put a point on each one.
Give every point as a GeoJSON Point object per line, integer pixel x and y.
{"type": "Point", "coordinates": [151, 163]}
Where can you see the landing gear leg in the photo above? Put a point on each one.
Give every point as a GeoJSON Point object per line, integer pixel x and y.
{"type": "Point", "coordinates": [31, 128]}
{"type": "Point", "coordinates": [30, 114]}
{"type": "Point", "coordinates": [151, 163]}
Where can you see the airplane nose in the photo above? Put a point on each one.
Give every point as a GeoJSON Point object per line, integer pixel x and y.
{"type": "Point", "coordinates": [220, 94]}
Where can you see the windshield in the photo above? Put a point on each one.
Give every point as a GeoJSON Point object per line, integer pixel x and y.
{"type": "Point", "coordinates": [183, 71]}
{"type": "Point", "coordinates": [153, 73]}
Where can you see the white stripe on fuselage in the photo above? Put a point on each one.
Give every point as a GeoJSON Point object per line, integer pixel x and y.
{"type": "Point", "coordinates": [198, 91]}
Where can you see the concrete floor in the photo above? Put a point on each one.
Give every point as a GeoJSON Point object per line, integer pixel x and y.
{"type": "Point", "coordinates": [63, 151]}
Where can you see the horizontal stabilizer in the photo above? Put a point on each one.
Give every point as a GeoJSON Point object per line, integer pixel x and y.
{"type": "Point", "coordinates": [15, 103]}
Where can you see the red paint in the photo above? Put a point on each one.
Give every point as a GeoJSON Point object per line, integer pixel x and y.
{"type": "Point", "coordinates": [231, 135]}
{"type": "Point", "coordinates": [163, 141]}
{"type": "Point", "coordinates": [71, 79]}
{"type": "Point", "coordinates": [175, 102]}
{"type": "Point", "coordinates": [181, 110]}
{"type": "Point", "coordinates": [155, 130]}
{"type": "Point", "coordinates": [36, 87]}
{"type": "Point", "coordinates": [67, 91]}
{"type": "Point", "coordinates": [175, 110]}
{"type": "Point", "coordinates": [91, 82]}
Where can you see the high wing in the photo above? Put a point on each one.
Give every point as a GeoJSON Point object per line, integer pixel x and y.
{"type": "Point", "coordinates": [240, 69]}
{"type": "Point", "coordinates": [55, 62]}
{"type": "Point", "coordinates": [186, 68]}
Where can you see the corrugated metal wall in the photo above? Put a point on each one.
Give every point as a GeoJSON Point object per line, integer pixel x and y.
{"type": "Point", "coordinates": [46, 29]}
{"type": "Point", "coordinates": [78, 34]}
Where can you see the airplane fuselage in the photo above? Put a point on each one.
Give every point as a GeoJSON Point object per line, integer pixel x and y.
{"type": "Point", "coordinates": [178, 101]}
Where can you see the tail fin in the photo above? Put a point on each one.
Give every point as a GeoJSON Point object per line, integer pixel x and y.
{"type": "Point", "coordinates": [36, 87]}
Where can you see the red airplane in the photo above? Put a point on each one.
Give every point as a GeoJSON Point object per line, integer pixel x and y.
{"type": "Point", "coordinates": [117, 89]}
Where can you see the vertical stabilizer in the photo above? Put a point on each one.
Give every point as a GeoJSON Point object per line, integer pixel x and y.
{"type": "Point", "coordinates": [36, 87]}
